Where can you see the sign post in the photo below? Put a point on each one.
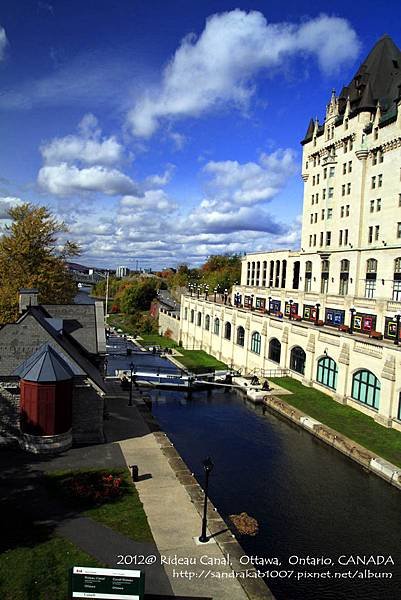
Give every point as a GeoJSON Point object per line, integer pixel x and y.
{"type": "Point", "coordinates": [107, 584]}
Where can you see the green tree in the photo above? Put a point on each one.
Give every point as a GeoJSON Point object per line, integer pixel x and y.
{"type": "Point", "coordinates": [138, 295]}
{"type": "Point", "coordinates": [30, 257]}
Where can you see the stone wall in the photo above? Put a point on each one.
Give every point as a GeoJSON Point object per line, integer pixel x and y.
{"type": "Point", "coordinates": [169, 321]}
{"type": "Point", "coordinates": [87, 415]}
{"type": "Point", "coordinates": [9, 412]}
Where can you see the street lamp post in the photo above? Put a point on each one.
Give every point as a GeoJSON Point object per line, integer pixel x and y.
{"type": "Point", "coordinates": [215, 293]}
{"type": "Point", "coordinates": [352, 310]}
{"type": "Point", "coordinates": [268, 308]}
{"type": "Point", "coordinates": [225, 295]}
{"type": "Point", "coordinates": [132, 367]}
{"type": "Point", "coordinates": [206, 291]}
{"type": "Point", "coordinates": [317, 306]}
{"type": "Point", "coordinates": [207, 466]}
{"type": "Point", "coordinates": [290, 301]}
{"type": "Point", "coordinates": [198, 291]}
{"type": "Point", "coordinates": [397, 330]}
{"type": "Point", "coordinates": [252, 297]}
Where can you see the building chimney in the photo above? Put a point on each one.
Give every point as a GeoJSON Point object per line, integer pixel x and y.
{"type": "Point", "coordinates": [27, 298]}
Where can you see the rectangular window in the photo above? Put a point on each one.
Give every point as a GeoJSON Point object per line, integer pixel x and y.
{"type": "Point", "coordinates": [321, 238]}
{"type": "Point", "coordinates": [311, 218]}
{"type": "Point", "coordinates": [378, 205]}
{"type": "Point", "coordinates": [399, 230]}
{"type": "Point", "coordinates": [370, 287]}
{"type": "Point", "coordinates": [350, 166]}
{"type": "Point", "coordinates": [373, 184]}
{"type": "Point", "coordinates": [374, 159]}
{"type": "Point", "coordinates": [313, 199]}
{"type": "Point", "coordinates": [372, 205]}
{"type": "Point", "coordinates": [314, 239]}
{"type": "Point", "coordinates": [317, 198]}
{"type": "Point", "coordinates": [348, 189]}
{"type": "Point", "coordinates": [324, 283]}
{"type": "Point", "coordinates": [380, 156]}
{"type": "Point", "coordinates": [377, 229]}
{"type": "Point", "coordinates": [322, 213]}
{"type": "Point", "coordinates": [343, 291]}
{"type": "Point", "coordinates": [345, 237]}
{"type": "Point", "coordinates": [329, 213]}
{"type": "Point", "coordinates": [351, 145]}
{"type": "Point", "coordinates": [331, 172]}
{"type": "Point", "coordinates": [331, 192]}
{"type": "Point", "coordinates": [324, 194]}
{"type": "Point", "coordinates": [370, 235]}
{"type": "Point", "coordinates": [313, 180]}
{"type": "Point", "coordinates": [328, 238]}
{"type": "Point", "coordinates": [344, 168]}
{"type": "Point", "coordinates": [397, 291]}
{"type": "Point", "coordinates": [340, 241]}
{"type": "Point", "coordinates": [342, 211]}
{"type": "Point", "coordinates": [399, 199]}
{"type": "Point", "coordinates": [317, 178]}
{"type": "Point", "coordinates": [343, 190]}
{"type": "Point", "coordinates": [325, 173]}
{"type": "Point", "coordinates": [379, 180]}
{"type": "Point", "coordinates": [310, 240]}
{"type": "Point", "coordinates": [375, 133]}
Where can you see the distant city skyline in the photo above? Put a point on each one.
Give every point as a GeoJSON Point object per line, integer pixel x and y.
{"type": "Point", "coordinates": [165, 132]}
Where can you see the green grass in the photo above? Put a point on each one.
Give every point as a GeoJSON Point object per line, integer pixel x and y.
{"type": "Point", "coordinates": [125, 515]}
{"type": "Point", "coordinates": [40, 572]}
{"type": "Point", "coordinates": [350, 422]}
{"type": "Point", "coordinates": [194, 360]}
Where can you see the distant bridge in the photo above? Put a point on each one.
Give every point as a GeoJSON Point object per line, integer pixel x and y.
{"type": "Point", "coordinates": [86, 278]}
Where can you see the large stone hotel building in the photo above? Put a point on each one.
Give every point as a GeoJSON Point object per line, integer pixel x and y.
{"type": "Point", "coordinates": [330, 312]}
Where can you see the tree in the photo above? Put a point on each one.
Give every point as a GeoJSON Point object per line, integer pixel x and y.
{"type": "Point", "coordinates": [138, 295]}
{"type": "Point", "coordinates": [30, 257]}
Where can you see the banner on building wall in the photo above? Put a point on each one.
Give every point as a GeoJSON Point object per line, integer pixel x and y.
{"type": "Point", "coordinates": [364, 323]}
{"type": "Point", "coordinates": [275, 306]}
{"type": "Point", "coordinates": [260, 303]}
{"type": "Point", "coordinates": [293, 307]}
{"type": "Point", "coordinates": [390, 329]}
{"type": "Point", "coordinates": [309, 312]}
{"type": "Point", "coordinates": [334, 317]}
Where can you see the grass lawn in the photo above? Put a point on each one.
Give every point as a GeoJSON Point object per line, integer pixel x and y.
{"type": "Point", "coordinates": [348, 421]}
{"type": "Point", "coordinates": [195, 360]}
{"type": "Point", "coordinates": [125, 514]}
{"type": "Point", "coordinates": [40, 572]}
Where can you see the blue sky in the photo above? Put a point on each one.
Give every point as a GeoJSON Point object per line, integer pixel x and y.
{"type": "Point", "coordinates": [163, 132]}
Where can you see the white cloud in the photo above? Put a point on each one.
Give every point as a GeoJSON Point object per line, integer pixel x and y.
{"type": "Point", "coordinates": [88, 147]}
{"type": "Point", "coordinates": [7, 202]}
{"type": "Point", "coordinates": [151, 201]}
{"type": "Point", "coordinates": [220, 65]}
{"type": "Point", "coordinates": [252, 183]}
{"type": "Point", "coordinates": [3, 42]}
{"type": "Point", "coordinates": [161, 180]}
{"type": "Point", "coordinates": [66, 180]}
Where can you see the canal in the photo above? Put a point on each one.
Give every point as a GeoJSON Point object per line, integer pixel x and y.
{"type": "Point", "coordinates": [308, 499]}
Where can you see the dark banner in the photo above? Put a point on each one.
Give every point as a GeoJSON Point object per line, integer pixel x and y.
{"type": "Point", "coordinates": [364, 323]}
{"type": "Point", "coordinates": [390, 329]}
{"type": "Point", "coordinates": [275, 306]}
{"type": "Point", "coordinates": [309, 312]}
{"type": "Point", "coordinates": [294, 308]}
{"type": "Point", "coordinates": [334, 317]}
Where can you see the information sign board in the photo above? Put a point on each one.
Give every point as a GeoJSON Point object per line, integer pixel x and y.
{"type": "Point", "coordinates": [107, 584]}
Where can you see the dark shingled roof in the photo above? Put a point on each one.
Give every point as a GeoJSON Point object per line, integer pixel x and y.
{"type": "Point", "coordinates": [378, 79]}
{"type": "Point", "coordinates": [45, 365]}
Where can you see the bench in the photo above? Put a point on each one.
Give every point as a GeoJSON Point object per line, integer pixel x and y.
{"type": "Point", "coordinates": [376, 335]}
{"type": "Point", "coordinates": [319, 323]}
{"type": "Point", "coordinates": [344, 328]}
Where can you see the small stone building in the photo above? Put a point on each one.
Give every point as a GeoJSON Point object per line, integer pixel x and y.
{"type": "Point", "coordinates": [51, 384]}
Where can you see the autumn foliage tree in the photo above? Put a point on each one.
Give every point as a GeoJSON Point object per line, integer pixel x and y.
{"type": "Point", "coordinates": [30, 257]}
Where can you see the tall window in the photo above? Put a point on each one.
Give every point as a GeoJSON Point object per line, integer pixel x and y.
{"type": "Point", "coordinates": [216, 326]}
{"type": "Point", "coordinates": [256, 342]}
{"type": "Point", "coordinates": [308, 276]}
{"type": "Point", "coordinates": [397, 280]}
{"type": "Point", "coordinates": [327, 372]}
{"type": "Point", "coordinates": [199, 319]}
{"type": "Point", "coordinates": [366, 388]}
{"type": "Point", "coordinates": [297, 360]}
{"type": "Point", "coordinates": [207, 322]}
{"type": "Point", "coordinates": [248, 273]}
{"type": "Point", "coordinates": [264, 273]}
{"type": "Point", "coordinates": [192, 315]}
{"type": "Point", "coordinates": [185, 313]}
{"type": "Point", "coordinates": [274, 350]}
{"type": "Point", "coordinates": [240, 336]}
{"type": "Point", "coordinates": [227, 330]}
{"type": "Point", "coordinates": [324, 282]}
{"type": "Point", "coordinates": [344, 277]}
{"type": "Point", "coordinates": [371, 276]}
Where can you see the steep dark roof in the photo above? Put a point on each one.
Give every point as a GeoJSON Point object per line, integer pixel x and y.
{"type": "Point", "coordinates": [377, 79]}
{"type": "Point", "coordinates": [45, 365]}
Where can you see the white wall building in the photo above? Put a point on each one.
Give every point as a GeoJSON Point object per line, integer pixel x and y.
{"type": "Point", "coordinates": [328, 312]}
{"type": "Point", "coordinates": [122, 272]}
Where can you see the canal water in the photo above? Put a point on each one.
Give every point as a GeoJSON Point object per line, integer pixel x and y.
{"type": "Point", "coordinates": [308, 499]}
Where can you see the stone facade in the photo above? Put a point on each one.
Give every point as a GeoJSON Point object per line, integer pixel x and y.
{"type": "Point", "coordinates": [169, 321]}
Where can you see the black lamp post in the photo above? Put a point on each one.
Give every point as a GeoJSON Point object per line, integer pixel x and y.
{"type": "Point", "coordinates": [190, 289]}
{"type": "Point", "coordinates": [317, 306]}
{"type": "Point", "coordinates": [198, 291]}
{"type": "Point", "coordinates": [397, 330]}
{"type": "Point", "coordinates": [225, 295]}
{"type": "Point", "coordinates": [206, 291]}
{"type": "Point", "coordinates": [290, 303]}
{"type": "Point", "coordinates": [252, 297]}
{"type": "Point", "coordinates": [132, 367]}
{"type": "Point", "coordinates": [268, 308]}
{"type": "Point", "coordinates": [215, 293]}
{"type": "Point", "coordinates": [352, 310]}
{"type": "Point", "coordinates": [207, 466]}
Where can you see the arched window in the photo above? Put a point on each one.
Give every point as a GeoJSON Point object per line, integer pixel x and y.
{"type": "Point", "coordinates": [256, 342]}
{"type": "Point", "coordinates": [308, 276]}
{"type": "Point", "coordinates": [216, 326]}
{"type": "Point", "coordinates": [274, 350]}
{"type": "Point", "coordinates": [186, 313]}
{"type": "Point", "coordinates": [207, 322]}
{"type": "Point", "coordinates": [283, 273]}
{"type": "Point", "coordinates": [297, 360]}
{"type": "Point", "coordinates": [192, 315]}
{"type": "Point", "coordinates": [227, 330]}
{"type": "Point", "coordinates": [324, 281]}
{"type": "Point", "coordinates": [344, 277]}
{"type": "Point", "coordinates": [327, 372]}
{"type": "Point", "coordinates": [366, 388]}
{"type": "Point", "coordinates": [240, 336]}
{"type": "Point", "coordinates": [344, 266]}
{"type": "Point", "coordinates": [199, 319]}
